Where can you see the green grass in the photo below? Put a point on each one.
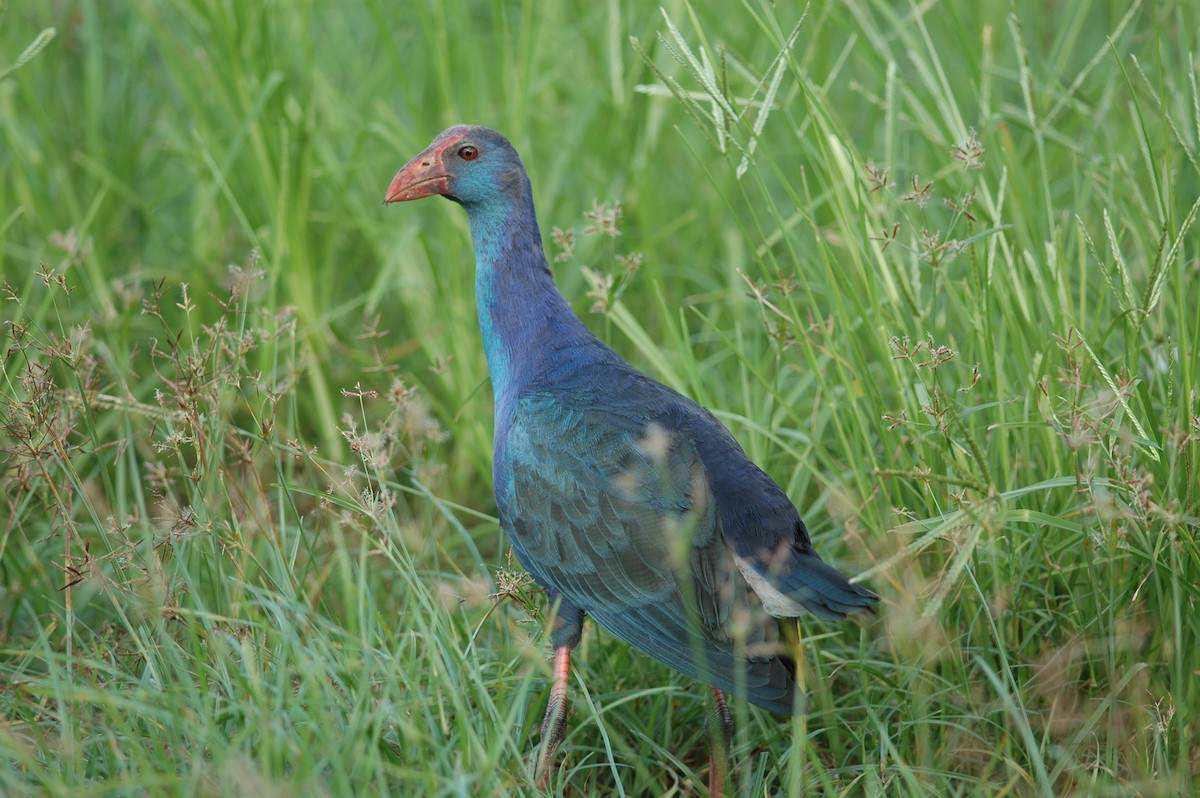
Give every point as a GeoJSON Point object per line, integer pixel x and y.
{"type": "Point", "coordinates": [247, 538]}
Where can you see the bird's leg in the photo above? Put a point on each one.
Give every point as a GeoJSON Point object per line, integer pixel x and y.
{"type": "Point", "coordinates": [720, 741]}
{"type": "Point", "coordinates": [554, 725]}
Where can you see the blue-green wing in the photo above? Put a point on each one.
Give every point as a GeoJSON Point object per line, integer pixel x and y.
{"type": "Point", "coordinates": [613, 512]}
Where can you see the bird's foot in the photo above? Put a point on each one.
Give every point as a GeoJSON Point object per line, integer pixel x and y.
{"type": "Point", "coordinates": [554, 725]}
{"type": "Point", "coordinates": [720, 741]}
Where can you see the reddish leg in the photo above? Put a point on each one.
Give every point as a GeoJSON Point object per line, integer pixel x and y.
{"type": "Point", "coordinates": [554, 725]}
{"type": "Point", "coordinates": [720, 741]}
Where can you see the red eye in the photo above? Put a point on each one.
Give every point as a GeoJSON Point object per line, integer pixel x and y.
{"type": "Point", "coordinates": [468, 153]}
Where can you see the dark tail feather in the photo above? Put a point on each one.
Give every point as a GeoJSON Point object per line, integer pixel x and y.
{"type": "Point", "coordinates": [823, 590]}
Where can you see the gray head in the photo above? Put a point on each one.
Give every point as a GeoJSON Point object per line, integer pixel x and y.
{"type": "Point", "coordinates": [466, 163]}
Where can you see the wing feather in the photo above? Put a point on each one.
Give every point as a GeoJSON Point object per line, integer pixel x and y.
{"type": "Point", "coordinates": [614, 513]}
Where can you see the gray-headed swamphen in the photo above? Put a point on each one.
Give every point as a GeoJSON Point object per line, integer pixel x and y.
{"type": "Point", "coordinates": [626, 501]}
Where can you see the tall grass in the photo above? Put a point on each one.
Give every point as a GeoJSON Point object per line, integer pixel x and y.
{"type": "Point", "coordinates": [935, 265]}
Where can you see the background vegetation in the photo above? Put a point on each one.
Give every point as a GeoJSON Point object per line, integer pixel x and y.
{"type": "Point", "coordinates": [935, 264]}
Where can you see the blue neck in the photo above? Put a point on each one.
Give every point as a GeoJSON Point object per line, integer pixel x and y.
{"type": "Point", "coordinates": [522, 315]}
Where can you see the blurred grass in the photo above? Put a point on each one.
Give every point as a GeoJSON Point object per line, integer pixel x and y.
{"type": "Point", "coordinates": [247, 542]}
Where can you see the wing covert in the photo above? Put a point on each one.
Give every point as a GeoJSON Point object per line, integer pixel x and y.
{"type": "Point", "coordinates": [614, 512]}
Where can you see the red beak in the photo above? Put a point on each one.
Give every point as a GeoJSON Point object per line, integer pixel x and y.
{"type": "Point", "coordinates": [423, 176]}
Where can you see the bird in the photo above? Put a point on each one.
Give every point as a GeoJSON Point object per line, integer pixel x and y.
{"type": "Point", "coordinates": [626, 501]}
